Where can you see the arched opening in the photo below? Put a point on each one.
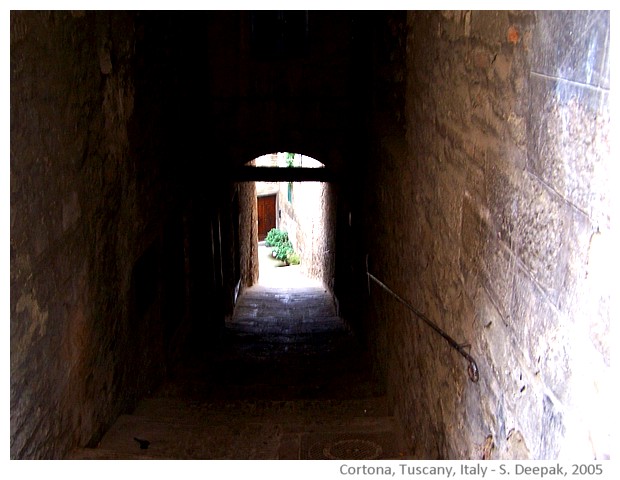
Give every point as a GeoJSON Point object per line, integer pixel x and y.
{"type": "Point", "coordinates": [470, 155]}
{"type": "Point", "coordinates": [295, 221]}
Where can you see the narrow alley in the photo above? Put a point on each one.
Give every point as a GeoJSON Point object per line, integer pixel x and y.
{"type": "Point", "coordinates": [463, 159]}
{"type": "Point", "coordinates": [287, 381]}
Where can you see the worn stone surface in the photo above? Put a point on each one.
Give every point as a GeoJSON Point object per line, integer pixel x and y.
{"type": "Point", "coordinates": [310, 222]}
{"type": "Point", "coordinates": [493, 202]}
{"type": "Point", "coordinates": [470, 152]}
{"type": "Point", "coordinates": [85, 340]}
{"type": "Point", "coordinates": [288, 381]}
{"type": "Point", "coordinates": [582, 38]}
{"type": "Point", "coordinates": [570, 151]}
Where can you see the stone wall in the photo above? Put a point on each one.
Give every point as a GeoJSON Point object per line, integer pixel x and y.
{"type": "Point", "coordinates": [472, 155]}
{"type": "Point", "coordinates": [307, 218]}
{"type": "Point", "coordinates": [490, 208]}
{"type": "Point", "coordinates": [248, 228]}
{"type": "Point", "coordinates": [90, 227]}
{"type": "Point", "coordinates": [122, 228]}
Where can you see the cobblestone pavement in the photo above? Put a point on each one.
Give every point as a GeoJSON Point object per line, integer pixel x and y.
{"type": "Point", "coordinates": [288, 380]}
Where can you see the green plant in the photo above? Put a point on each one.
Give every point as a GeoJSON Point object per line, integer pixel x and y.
{"type": "Point", "coordinates": [282, 248]}
{"type": "Point", "coordinates": [275, 237]}
{"type": "Point", "coordinates": [283, 251]}
{"type": "Point", "coordinates": [290, 159]}
{"type": "Point", "coordinates": [294, 258]}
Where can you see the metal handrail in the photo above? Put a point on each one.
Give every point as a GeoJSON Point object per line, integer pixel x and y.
{"type": "Point", "coordinates": [472, 368]}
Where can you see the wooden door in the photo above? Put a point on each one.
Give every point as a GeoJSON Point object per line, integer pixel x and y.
{"type": "Point", "coordinates": [266, 215]}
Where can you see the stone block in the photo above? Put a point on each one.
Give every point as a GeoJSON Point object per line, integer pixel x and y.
{"type": "Point", "coordinates": [570, 144]}
{"type": "Point", "coordinates": [573, 45]}
{"type": "Point", "coordinates": [542, 334]}
{"type": "Point", "coordinates": [498, 266]}
{"type": "Point", "coordinates": [490, 26]}
{"type": "Point", "coordinates": [542, 228]}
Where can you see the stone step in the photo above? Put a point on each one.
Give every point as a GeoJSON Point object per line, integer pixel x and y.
{"type": "Point", "coordinates": [183, 441]}
{"type": "Point", "coordinates": [177, 410]}
{"type": "Point", "coordinates": [287, 381]}
{"type": "Point", "coordinates": [105, 454]}
{"type": "Point", "coordinates": [240, 439]}
{"type": "Point", "coordinates": [279, 323]}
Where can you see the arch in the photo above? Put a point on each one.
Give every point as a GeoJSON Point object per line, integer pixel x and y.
{"type": "Point", "coordinates": [285, 159]}
{"type": "Point", "coordinates": [274, 167]}
{"type": "Point", "coordinates": [293, 194]}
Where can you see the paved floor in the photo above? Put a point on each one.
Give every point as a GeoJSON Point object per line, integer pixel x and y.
{"type": "Point", "coordinates": [273, 273]}
{"type": "Point", "coordinates": [287, 381]}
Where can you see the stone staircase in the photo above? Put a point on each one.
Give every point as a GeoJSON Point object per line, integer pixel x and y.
{"type": "Point", "coordinates": [287, 381]}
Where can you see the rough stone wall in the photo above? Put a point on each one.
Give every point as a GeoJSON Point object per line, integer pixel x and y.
{"type": "Point", "coordinates": [87, 212]}
{"type": "Point", "coordinates": [490, 214]}
{"type": "Point", "coordinates": [248, 232]}
{"type": "Point", "coordinates": [486, 206]}
{"type": "Point", "coordinates": [307, 219]}
{"type": "Point", "coordinates": [327, 239]}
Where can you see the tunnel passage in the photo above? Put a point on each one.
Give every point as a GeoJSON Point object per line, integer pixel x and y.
{"type": "Point", "coordinates": [285, 372]}
{"type": "Point", "coordinates": [287, 379]}
{"type": "Point", "coordinates": [470, 161]}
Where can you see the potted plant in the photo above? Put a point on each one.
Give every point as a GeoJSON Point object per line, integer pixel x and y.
{"type": "Point", "coordinates": [282, 248]}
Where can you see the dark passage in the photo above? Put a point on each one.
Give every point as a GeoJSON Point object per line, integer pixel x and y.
{"type": "Point", "coordinates": [466, 159]}
{"type": "Point", "coordinates": [288, 380]}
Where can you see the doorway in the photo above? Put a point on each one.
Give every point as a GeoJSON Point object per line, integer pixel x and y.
{"type": "Point", "coordinates": [266, 206]}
